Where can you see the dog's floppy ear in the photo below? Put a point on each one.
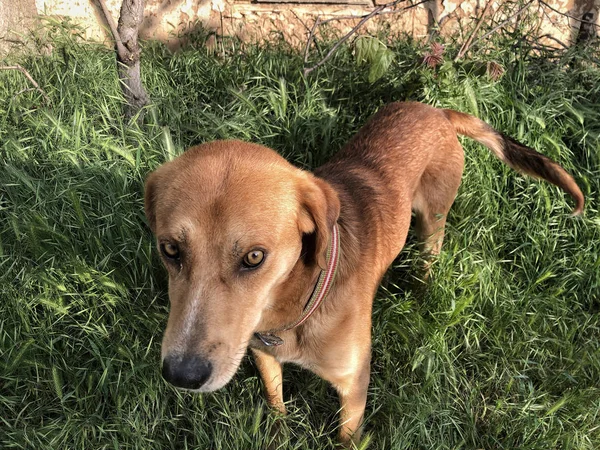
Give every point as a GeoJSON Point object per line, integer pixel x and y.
{"type": "Point", "coordinates": [320, 209]}
{"type": "Point", "coordinates": [150, 200]}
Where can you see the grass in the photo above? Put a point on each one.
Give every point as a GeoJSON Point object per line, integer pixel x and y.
{"type": "Point", "coordinates": [500, 350]}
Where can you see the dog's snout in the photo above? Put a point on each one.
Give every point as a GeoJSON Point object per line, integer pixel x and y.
{"type": "Point", "coordinates": [186, 371]}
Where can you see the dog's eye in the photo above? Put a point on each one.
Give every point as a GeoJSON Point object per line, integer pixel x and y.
{"type": "Point", "coordinates": [254, 259]}
{"type": "Point", "coordinates": [171, 251]}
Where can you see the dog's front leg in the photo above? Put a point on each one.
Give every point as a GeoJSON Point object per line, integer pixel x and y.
{"type": "Point", "coordinates": [352, 385]}
{"type": "Point", "coordinates": [271, 375]}
{"type": "Point", "coordinates": [353, 398]}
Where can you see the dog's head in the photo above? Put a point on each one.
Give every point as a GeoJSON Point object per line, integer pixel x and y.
{"type": "Point", "coordinates": [232, 221]}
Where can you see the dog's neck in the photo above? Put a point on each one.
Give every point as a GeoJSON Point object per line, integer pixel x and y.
{"type": "Point", "coordinates": [303, 291]}
{"type": "Point", "coordinates": [292, 297]}
{"type": "Point", "coordinates": [295, 293]}
{"type": "Point", "coordinates": [319, 293]}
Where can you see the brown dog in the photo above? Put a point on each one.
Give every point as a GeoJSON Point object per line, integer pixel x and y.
{"type": "Point", "coordinates": [246, 236]}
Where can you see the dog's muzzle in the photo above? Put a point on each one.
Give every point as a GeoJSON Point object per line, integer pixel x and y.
{"type": "Point", "coordinates": [186, 371]}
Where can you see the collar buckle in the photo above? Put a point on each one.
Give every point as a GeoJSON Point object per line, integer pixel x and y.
{"type": "Point", "coordinates": [268, 339]}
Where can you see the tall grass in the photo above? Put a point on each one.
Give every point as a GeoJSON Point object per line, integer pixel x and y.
{"type": "Point", "coordinates": [501, 349]}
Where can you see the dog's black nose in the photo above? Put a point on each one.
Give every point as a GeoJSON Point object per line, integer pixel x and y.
{"type": "Point", "coordinates": [186, 371]}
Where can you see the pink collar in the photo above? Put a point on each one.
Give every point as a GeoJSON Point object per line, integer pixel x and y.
{"type": "Point", "coordinates": [320, 291]}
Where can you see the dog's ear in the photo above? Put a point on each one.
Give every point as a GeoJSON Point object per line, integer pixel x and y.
{"type": "Point", "coordinates": [150, 200]}
{"type": "Point", "coordinates": [320, 209]}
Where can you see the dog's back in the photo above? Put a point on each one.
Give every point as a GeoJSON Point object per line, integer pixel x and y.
{"type": "Point", "coordinates": [408, 157]}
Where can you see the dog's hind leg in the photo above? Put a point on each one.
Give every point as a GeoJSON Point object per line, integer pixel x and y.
{"type": "Point", "coordinates": [432, 200]}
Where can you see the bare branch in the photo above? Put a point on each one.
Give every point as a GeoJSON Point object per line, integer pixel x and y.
{"type": "Point", "coordinates": [552, 38]}
{"type": "Point", "coordinates": [541, 2]}
{"type": "Point", "coordinates": [376, 12]}
{"type": "Point", "coordinates": [311, 36]}
{"type": "Point", "coordinates": [355, 17]}
{"type": "Point", "coordinates": [503, 23]}
{"type": "Point", "coordinates": [22, 91]}
{"type": "Point", "coordinates": [467, 44]}
{"type": "Point", "coordinates": [121, 50]}
{"type": "Point", "coordinates": [29, 77]}
{"type": "Point", "coordinates": [342, 40]}
{"type": "Point", "coordinates": [300, 20]}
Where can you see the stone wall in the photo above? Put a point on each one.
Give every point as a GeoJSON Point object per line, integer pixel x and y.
{"type": "Point", "coordinates": [16, 17]}
{"type": "Point", "coordinates": [171, 20]}
{"type": "Point", "coordinates": [265, 19]}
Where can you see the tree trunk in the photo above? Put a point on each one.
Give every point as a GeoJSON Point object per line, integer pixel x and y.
{"type": "Point", "coordinates": [128, 57]}
{"type": "Point", "coordinates": [587, 31]}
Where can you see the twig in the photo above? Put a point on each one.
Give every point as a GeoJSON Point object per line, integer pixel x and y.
{"type": "Point", "coordinates": [548, 48]}
{"type": "Point", "coordinates": [377, 11]}
{"type": "Point", "coordinates": [311, 36]}
{"type": "Point", "coordinates": [22, 91]}
{"type": "Point", "coordinates": [300, 20]}
{"type": "Point", "coordinates": [552, 38]}
{"type": "Point", "coordinates": [541, 2]}
{"type": "Point", "coordinates": [121, 50]}
{"type": "Point", "coordinates": [355, 17]}
{"type": "Point", "coordinates": [29, 77]}
{"type": "Point", "coordinates": [467, 44]}
{"type": "Point", "coordinates": [508, 19]}
{"type": "Point", "coordinates": [308, 70]}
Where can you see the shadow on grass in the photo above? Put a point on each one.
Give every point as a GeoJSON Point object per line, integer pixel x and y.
{"type": "Point", "coordinates": [499, 350]}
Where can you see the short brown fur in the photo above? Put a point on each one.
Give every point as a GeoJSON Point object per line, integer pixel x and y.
{"type": "Point", "coordinates": [220, 200]}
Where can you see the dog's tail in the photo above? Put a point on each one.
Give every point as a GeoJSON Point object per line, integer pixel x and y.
{"type": "Point", "coordinates": [518, 156]}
